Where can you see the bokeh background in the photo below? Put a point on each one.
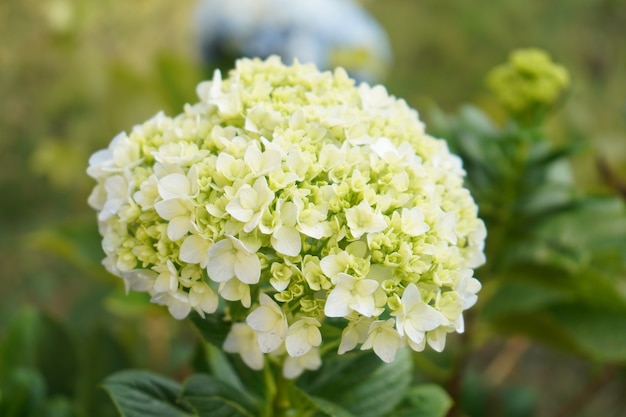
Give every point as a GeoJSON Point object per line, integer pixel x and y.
{"type": "Point", "coordinates": [74, 73]}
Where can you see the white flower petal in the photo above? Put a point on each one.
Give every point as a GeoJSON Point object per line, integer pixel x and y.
{"type": "Point", "coordinates": [178, 227]}
{"type": "Point", "coordinates": [235, 290]}
{"type": "Point", "coordinates": [411, 295]}
{"type": "Point", "coordinates": [243, 340]}
{"type": "Point", "coordinates": [247, 267]}
{"type": "Point", "coordinates": [349, 340]}
{"type": "Point", "coordinates": [412, 222]}
{"type": "Point", "coordinates": [168, 209]}
{"type": "Point", "coordinates": [174, 186]}
{"type": "Point", "coordinates": [386, 349]}
{"type": "Point", "coordinates": [287, 241]}
{"type": "Point", "coordinates": [194, 249]}
{"type": "Point", "coordinates": [363, 305]}
{"type": "Point", "coordinates": [262, 319]}
{"type": "Point", "coordinates": [337, 302]}
{"type": "Point", "coordinates": [437, 339]}
{"type": "Point", "coordinates": [297, 345]}
{"type": "Point", "coordinates": [235, 209]}
{"type": "Point", "coordinates": [221, 264]}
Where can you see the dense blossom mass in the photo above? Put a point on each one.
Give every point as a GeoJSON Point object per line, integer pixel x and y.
{"type": "Point", "coordinates": [294, 202]}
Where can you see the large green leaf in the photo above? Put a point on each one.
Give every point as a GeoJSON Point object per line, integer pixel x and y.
{"type": "Point", "coordinates": [102, 354]}
{"type": "Point", "coordinates": [339, 373]}
{"type": "Point", "coordinates": [77, 242]}
{"type": "Point", "coordinates": [58, 407]}
{"type": "Point", "coordinates": [177, 80]}
{"type": "Point", "coordinates": [212, 328]}
{"type": "Point", "coordinates": [426, 400]}
{"type": "Point", "coordinates": [211, 397]}
{"type": "Point", "coordinates": [382, 390]}
{"type": "Point", "coordinates": [22, 392]}
{"type": "Point", "coordinates": [538, 325]}
{"type": "Point", "coordinates": [38, 341]}
{"type": "Point", "coordinates": [141, 394]}
{"type": "Point", "coordinates": [221, 367]}
{"type": "Point", "coordinates": [603, 220]}
{"type": "Point", "coordinates": [309, 402]}
{"type": "Point", "coordinates": [601, 333]}
{"type": "Point", "coordinates": [239, 376]}
{"type": "Point", "coordinates": [581, 329]}
{"type": "Point", "coordinates": [518, 296]}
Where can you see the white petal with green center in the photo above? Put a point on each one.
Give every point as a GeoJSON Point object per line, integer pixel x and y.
{"type": "Point", "coordinates": [413, 223]}
{"type": "Point", "coordinates": [416, 317]}
{"type": "Point", "coordinates": [363, 219]}
{"type": "Point", "coordinates": [351, 294]}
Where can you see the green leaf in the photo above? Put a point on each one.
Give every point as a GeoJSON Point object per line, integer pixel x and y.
{"type": "Point", "coordinates": [178, 79]}
{"type": "Point", "coordinates": [476, 397]}
{"type": "Point", "coordinates": [543, 154]}
{"type": "Point", "coordinates": [599, 333]}
{"type": "Point", "coordinates": [519, 402]}
{"type": "Point", "coordinates": [58, 407]}
{"type": "Point", "coordinates": [382, 390]}
{"type": "Point", "coordinates": [56, 357]}
{"type": "Point", "coordinates": [592, 331]}
{"type": "Point", "coordinates": [20, 342]}
{"type": "Point", "coordinates": [77, 242]}
{"type": "Point", "coordinates": [22, 392]}
{"type": "Point", "coordinates": [606, 218]}
{"type": "Point", "coordinates": [221, 368]}
{"type": "Point", "coordinates": [37, 341]}
{"type": "Point", "coordinates": [547, 199]}
{"type": "Point", "coordinates": [212, 328]}
{"type": "Point", "coordinates": [208, 396]}
{"type": "Point", "coordinates": [516, 296]}
{"type": "Point", "coordinates": [104, 355]}
{"type": "Point", "coordinates": [141, 393]}
{"type": "Point", "coordinates": [309, 402]}
{"type": "Point", "coordinates": [426, 400]}
{"type": "Point", "coordinates": [339, 373]}
{"type": "Point", "coordinates": [539, 325]}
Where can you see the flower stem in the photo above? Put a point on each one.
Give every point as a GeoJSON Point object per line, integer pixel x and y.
{"type": "Point", "coordinates": [583, 397]}
{"type": "Point", "coordinates": [270, 390]}
{"type": "Point", "coordinates": [281, 400]}
{"type": "Point", "coordinates": [277, 401]}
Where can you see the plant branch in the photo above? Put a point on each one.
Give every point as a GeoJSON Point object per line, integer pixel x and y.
{"type": "Point", "coordinates": [577, 402]}
{"type": "Point", "coordinates": [504, 363]}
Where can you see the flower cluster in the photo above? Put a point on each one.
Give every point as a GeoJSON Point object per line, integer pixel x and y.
{"type": "Point", "coordinates": [292, 200]}
{"type": "Point", "coordinates": [328, 33]}
{"type": "Point", "coordinates": [528, 81]}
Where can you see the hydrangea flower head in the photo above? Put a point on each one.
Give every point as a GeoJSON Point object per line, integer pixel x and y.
{"type": "Point", "coordinates": [328, 33]}
{"type": "Point", "coordinates": [528, 81]}
{"type": "Point", "coordinates": [289, 198]}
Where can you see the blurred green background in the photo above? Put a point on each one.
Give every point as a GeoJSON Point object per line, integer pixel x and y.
{"type": "Point", "coordinates": [75, 73]}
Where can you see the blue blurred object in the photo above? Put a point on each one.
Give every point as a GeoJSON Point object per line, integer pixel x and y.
{"type": "Point", "coordinates": [329, 33]}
